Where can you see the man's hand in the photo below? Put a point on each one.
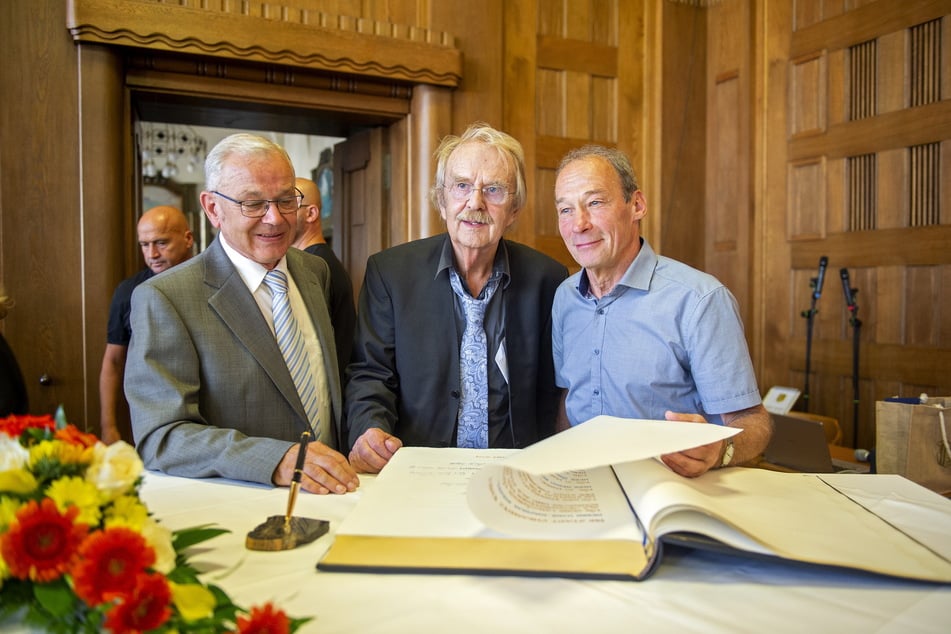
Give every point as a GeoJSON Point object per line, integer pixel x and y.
{"type": "Point", "coordinates": [325, 470]}
{"type": "Point", "coordinates": [373, 450]}
{"type": "Point", "coordinates": [697, 461]}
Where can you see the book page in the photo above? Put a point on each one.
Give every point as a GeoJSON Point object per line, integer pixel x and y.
{"type": "Point", "coordinates": [608, 440]}
{"type": "Point", "coordinates": [579, 504]}
{"type": "Point", "coordinates": [422, 493]}
{"type": "Point", "coordinates": [796, 516]}
{"type": "Point", "coordinates": [562, 487]}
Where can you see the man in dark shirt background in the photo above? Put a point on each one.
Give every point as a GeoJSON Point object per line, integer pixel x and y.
{"type": "Point", "coordinates": [165, 240]}
{"type": "Point", "coordinates": [310, 238]}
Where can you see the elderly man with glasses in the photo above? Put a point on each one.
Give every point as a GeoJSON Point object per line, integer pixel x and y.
{"type": "Point", "coordinates": [232, 355]}
{"type": "Point", "coordinates": [453, 342]}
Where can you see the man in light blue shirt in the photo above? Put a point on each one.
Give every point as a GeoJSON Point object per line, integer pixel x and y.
{"type": "Point", "coordinates": [638, 335]}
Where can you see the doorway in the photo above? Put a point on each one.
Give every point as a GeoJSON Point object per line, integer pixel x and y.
{"type": "Point", "coordinates": [361, 195]}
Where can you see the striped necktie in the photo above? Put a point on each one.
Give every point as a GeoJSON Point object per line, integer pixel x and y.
{"type": "Point", "coordinates": [291, 342]}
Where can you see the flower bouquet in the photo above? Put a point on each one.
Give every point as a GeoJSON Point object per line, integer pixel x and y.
{"type": "Point", "coordinates": [79, 551]}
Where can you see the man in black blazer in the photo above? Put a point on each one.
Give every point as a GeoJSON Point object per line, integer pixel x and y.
{"type": "Point", "coordinates": [404, 380]}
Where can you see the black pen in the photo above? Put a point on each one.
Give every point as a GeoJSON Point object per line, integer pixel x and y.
{"type": "Point", "coordinates": [295, 480]}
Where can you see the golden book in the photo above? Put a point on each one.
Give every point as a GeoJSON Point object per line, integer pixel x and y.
{"type": "Point", "coordinates": [574, 505]}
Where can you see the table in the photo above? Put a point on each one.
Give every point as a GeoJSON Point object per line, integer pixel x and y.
{"type": "Point", "coordinates": [692, 591]}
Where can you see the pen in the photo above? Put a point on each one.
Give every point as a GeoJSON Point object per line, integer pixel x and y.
{"type": "Point", "coordinates": [295, 480]}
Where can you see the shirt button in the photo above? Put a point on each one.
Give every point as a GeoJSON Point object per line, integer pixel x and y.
{"type": "Point", "coordinates": [597, 392]}
{"type": "Point", "coordinates": [596, 351]}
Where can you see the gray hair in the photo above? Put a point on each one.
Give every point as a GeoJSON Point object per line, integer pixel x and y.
{"type": "Point", "coordinates": [614, 156]}
{"type": "Point", "coordinates": [240, 144]}
{"type": "Point", "coordinates": [480, 132]}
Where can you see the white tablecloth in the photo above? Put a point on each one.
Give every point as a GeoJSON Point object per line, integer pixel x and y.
{"type": "Point", "coordinates": [693, 591]}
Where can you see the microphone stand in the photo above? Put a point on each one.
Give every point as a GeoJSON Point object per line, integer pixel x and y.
{"type": "Point", "coordinates": [816, 285]}
{"type": "Point", "coordinates": [856, 324]}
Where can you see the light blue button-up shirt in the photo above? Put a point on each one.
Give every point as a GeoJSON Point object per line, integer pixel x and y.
{"type": "Point", "coordinates": [667, 337]}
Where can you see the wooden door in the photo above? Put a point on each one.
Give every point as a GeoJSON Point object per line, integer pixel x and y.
{"type": "Point", "coordinates": [359, 201]}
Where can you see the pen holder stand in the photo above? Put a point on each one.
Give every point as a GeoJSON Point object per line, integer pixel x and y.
{"type": "Point", "coordinates": [276, 534]}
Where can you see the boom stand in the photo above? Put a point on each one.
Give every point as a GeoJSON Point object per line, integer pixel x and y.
{"type": "Point", "coordinates": [810, 318]}
{"type": "Point", "coordinates": [856, 332]}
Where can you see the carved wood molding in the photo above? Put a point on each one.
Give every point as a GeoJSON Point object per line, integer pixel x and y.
{"type": "Point", "coordinates": [294, 39]}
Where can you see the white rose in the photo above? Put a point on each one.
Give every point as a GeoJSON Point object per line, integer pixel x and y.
{"type": "Point", "coordinates": [160, 539]}
{"type": "Point", "coordinates": [13, 455]}
{"type": "Point", "coordinates": [115, 468]}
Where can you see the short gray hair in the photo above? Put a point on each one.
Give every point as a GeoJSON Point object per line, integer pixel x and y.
{"type": "Point", "coordinates": [241, 144]}
{"type": "Point", "coordinates": [480, 132]}
{"type": "Point", "coordinates": [614, 156]}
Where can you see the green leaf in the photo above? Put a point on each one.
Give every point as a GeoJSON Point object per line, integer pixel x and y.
{"type": "Point", "coordinates": [55, 597]}
{"type": "Point", "coordinates": [188, 537]}
{"type": "Point", "coordinates": [60, 418]}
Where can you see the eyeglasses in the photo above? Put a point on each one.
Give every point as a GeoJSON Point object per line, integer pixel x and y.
{"type": "Point", "coordinates": [461, 190]}
{"type": "Point", "coordinates": [257, 208]}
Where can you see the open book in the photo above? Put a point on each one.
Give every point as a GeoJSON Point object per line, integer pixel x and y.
{"type": "Point", "coordinates": [593, 502]}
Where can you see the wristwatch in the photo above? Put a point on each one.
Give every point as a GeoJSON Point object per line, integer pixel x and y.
{"type": "Point", "coordinates": [727, 453]}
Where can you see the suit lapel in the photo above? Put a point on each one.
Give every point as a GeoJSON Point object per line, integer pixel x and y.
{"type": "Point", "coordinates": [231, 300]}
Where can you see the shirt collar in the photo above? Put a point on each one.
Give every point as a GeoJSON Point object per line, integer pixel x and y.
{"type": "Point", "coordinates": [252, 273]}
{"type": "Point", "coordinates": [500, 267]}
{"type": "Point", "coordinates": [638, 275]}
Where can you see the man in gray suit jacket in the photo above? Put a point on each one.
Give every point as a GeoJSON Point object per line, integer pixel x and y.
{"type": "Point", "coordinates": [408, 378]}
{"type": "Point", "coordinates": [208, 388]}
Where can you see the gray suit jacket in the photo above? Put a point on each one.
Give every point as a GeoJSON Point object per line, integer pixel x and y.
{"type": "Point", "coordinates": [208, 389]}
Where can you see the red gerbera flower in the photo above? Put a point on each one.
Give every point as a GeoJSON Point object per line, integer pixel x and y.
{"type": "Point", "coordinates": [264, 620]}
{"type": "Point", "coordinates": [41, 542]}
{"type": "Point", "coordinates": [72, 435]}
{"type": "Point", "coordinates": [146, 607]}
{"type": "Point", "coordinates": [109, 562]}
{"type": "Point", "coordinates": [14, 425]}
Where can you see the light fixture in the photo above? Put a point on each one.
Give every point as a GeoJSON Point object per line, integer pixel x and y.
{"type": "Point", "coordinates": [163, 145]}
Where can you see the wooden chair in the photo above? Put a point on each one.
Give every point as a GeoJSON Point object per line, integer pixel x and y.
{"type": "Point", "coordinates": [829, 424]}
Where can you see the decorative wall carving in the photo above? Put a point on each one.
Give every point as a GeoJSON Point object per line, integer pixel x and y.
{"type": "Point", "coordinates": [298, 38]}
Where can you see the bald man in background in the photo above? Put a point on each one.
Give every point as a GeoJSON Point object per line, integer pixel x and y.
{"type": "Point", "coordinates": [165, 240]}
{"type": "Point", "coordinates": [310, 238]}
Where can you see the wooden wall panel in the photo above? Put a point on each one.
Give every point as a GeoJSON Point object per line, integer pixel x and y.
{"type": "Point", "coordinates": [728, 207]}
{"type": "Point", "coordinates": [885, 167]}
{"type": "Point", "coordinates": [921, 324]}
{"type": "Point", "coordinates": [892, 195]}
{"type": "Point", "coordinates": [891, 299]}
{"type": "Point", "coordinates": [806, 13]}
{"type": "Point", "coordinates": [550, 102]}
{"type": "Point", "coordinates": [806, 204]}
{"type": "Point", "coordinates": [835, 86]}
{"type": "Point", "coordinates": [41, 243]}
{"type": "Point", "coordinates": [572, 55]}
{"type": "Point", "coordinates": [683, 135]}
{"type": "Point", "coordinates": [893, 71]}
{"type": "Point", "coordinates": [807, 96]}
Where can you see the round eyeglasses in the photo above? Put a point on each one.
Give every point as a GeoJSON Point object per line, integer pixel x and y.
{"type": "Point", "coordinates": [257, 208]}
{"type": "Point", "coordinates": [461, 190]}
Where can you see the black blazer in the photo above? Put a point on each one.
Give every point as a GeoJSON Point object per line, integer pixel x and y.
{"type": "Point", "coordinates": [404, 372]}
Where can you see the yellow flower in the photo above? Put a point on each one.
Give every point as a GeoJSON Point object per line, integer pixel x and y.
{"type": "Point", "coordinates": [115, 468]}
{"type": "Point", "coordinates": [62, 452]}
{"type": "Point", "coordinates": [74, 491]}
{"type": "Point", "coordinates": [19, 481]}
{"type": "Point", "coordinates": [126, 510]}
{"type": "Point", "coordinates": [160, 539]}
{"type": "Point", "coordinates": [4, 571]}
{"type": "Point", "coordinates": [193, 601]}
{"type": "Point", "coordinates": [8, 510]}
